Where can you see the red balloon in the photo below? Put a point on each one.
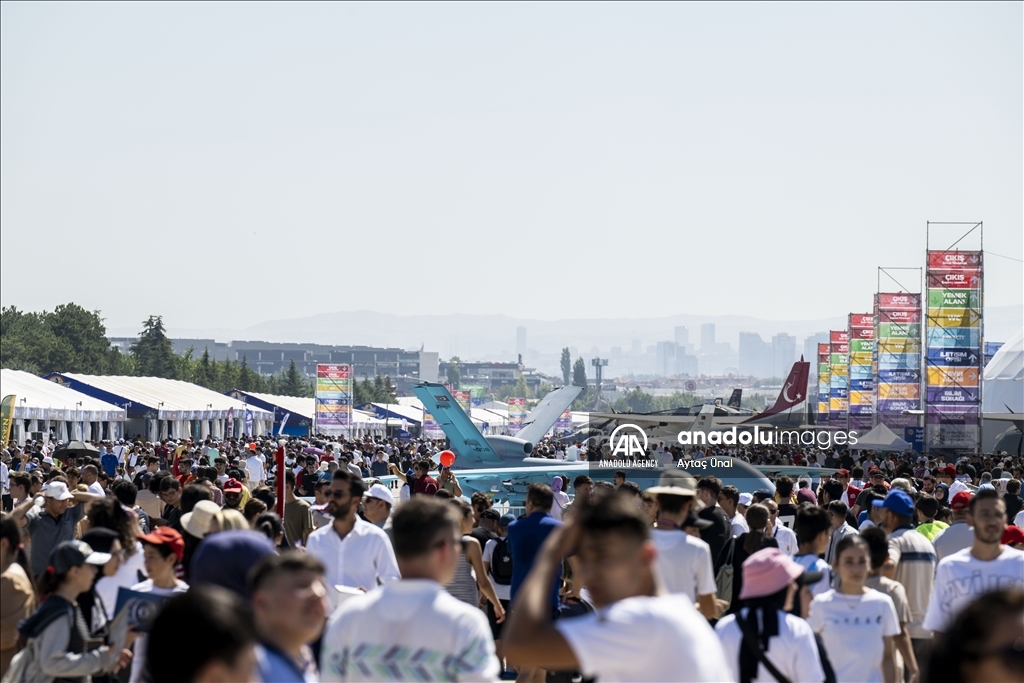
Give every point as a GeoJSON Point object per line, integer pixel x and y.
{"type": "Point", "coordinates": [447, 458]}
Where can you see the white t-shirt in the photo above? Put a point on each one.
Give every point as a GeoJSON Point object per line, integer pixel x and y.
{"type": "Point", "coordinates": [255, 468]}
{"type": "Point", "coordinates": [1018, 521]}
{"type": "Point", "coordinates": [645, 639]}
{"type": "Point", "coordinates": [793, 652]}
{"type": "Point", "coordinates": [853, 629]}
{"type": "Point", "coordinates": [127, 575]}
{"type": "Point", "coordinates": [96, 489]}
{"type": "Point", "coordinates": [684, 563]}
{"type": "Point", "coordinates": [572, 454]}
{"type": "Point", "coordinates": [954, 538]}
{"type": "Point", "coordinates": [813, 563]}
{"type": "Point", "coordinates": [739, 524]}
{"type": "Point", "coordinates": [786, 538]}
{"type": "Point", "coordinates": [409, 630]}
{"type": "Point", "coordinates": [363, 559]}
{"type": "Point", "coordinates": [961, 577]}
{"type": "Point", "coordinates": [138, 661]}
{"type": "Point", "coordinates": [503, 591]}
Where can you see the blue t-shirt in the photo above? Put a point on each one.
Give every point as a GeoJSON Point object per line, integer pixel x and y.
{"type": "Point", "coordinates": [109, 463]}
{"type": "Point", "coordinates": [525, 537]}
{"type": "Point", "coordinates": [813, 563]}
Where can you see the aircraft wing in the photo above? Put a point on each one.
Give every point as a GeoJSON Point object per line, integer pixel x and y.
{"type": "Point", "coordinates": [540, 419]}
{"type": "Point", "coordinates": [466, 440]}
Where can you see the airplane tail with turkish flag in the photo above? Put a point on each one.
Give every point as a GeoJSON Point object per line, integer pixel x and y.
{"type": "Point", "coordinates": [793, 394]}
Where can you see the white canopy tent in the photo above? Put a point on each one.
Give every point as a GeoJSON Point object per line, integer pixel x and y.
{"type": "Point", "coordinates": [47, 407]}
{"type": "Point", "coordinates": [175, 408]}
{"type": "Point", "coordinates": [296, 405]}
{"type": "Point", "coordinates": [881, 438]}
{"type": "Point", "coordinates": [1003, 381]}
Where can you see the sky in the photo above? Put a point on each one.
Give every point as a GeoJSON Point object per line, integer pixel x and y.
{"type": "Point", "coordinates": [226, 164]}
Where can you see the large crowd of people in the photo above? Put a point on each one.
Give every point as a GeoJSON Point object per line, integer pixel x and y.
{"type": "Point", "coordinates": [169, 562]}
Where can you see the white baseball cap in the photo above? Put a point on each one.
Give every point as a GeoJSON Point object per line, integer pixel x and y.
{"type": "Point", "coordinates": [746, 499]}
{"type": "Point", "coordinates": [58, 490]}
{"type": "Point", "coordinates": [381, 492]}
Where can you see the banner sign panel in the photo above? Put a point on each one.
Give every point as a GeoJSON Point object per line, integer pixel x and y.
{"type": "Point", "coordinates": [333, 399]}
{"type": "Point", "coordinates": [898, 342]}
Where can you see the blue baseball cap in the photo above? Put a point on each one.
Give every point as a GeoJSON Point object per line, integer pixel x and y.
{"type": "Point", "coordinates": [898, 501]}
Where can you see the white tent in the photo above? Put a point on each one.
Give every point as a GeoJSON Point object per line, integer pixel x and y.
{"type": "Point", "coordinates": [881, 438]}
{"type": "Point", "coordinates": [1003, 382]}
{"type": "Point", "coordinates": [173, 407]}
{"type": "Point", "coordinates": [296, 405]}
{"type": "Point", "coordinates": [44, 406]}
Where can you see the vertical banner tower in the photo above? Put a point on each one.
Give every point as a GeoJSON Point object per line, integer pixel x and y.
{"type": "Point", "coordinates": [332, 412]}
{"type": "Point", "coordinates": [861, 331]}
{"type": "Point", "coordinates": [824, 373]}
{"type": "Point", "coordinates": [954, 343]}
{"type": "Point", "coordinates": [898, 317]}
{"type": "Point", "coordinates": [839, 386]}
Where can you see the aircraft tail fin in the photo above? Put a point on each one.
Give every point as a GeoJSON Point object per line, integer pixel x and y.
{"type": "Point", "coordinates": [734, 400]}
{"type": "Point", "coordinates": [466, 440]}
{"type": "Point", "coordinates": [540, 419]}
{"type": "Point", "coordinates": [794, 391]}
{"type": "Point", "coordinates": [705, 419]}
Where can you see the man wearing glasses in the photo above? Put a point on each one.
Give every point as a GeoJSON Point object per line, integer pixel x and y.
{"type": "Point", "coordinates": [357, 554]}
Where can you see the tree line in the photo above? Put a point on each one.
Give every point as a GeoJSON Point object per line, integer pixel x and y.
{"type": "Point", "coordinates": [72, 339]}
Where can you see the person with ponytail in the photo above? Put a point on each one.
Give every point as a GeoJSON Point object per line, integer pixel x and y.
{"type": "Point", "coordinates": [58, 643]}
{"type": "Point", "coordinates": [745, 545]}
{"type": "Point", "coordinates": [17, 593]}
{"type": "Point", "coordinates": [763, 641]}
{"type": "Point", "coordinates": [857, 624]}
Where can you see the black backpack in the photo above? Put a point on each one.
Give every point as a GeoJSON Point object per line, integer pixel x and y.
{"type": "Point", "coordinates": [501, 562]}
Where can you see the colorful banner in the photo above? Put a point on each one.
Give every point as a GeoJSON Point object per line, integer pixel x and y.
{"type": "Point", "coordinates": [563, 425]}
{"type": "Point", "coordinates": [248, 422]}
{"type": "Point", "coordinates": [462, 397]}
{"type": "Point", "coordinates": [898, 357]}
{"type": "Point", "coordinates": [861, 332]}
{"type": "Point", "coordinates": [824, 358]}
{"type": "Point", "coordinates": [516, 414]}
{"type": "Point", "coordinates": [431, 430]}
{"type": "Point", "coordinates": [333, 400]}
{"type": "Point", "coordinates": [229, 424]}
{"type": "Point", "coordinates": [953, 350]}
{"type": "Point", "coordinates": [838, 381]}
{"type": "Point", "coordinates": [7, 417]}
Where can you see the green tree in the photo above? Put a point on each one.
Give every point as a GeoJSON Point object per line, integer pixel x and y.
{"type": "Point", "coordinates": [579, 373]}
{"type": "Point", "coordinates": [452, 372]}
{"type": "Point", "coordinates": [203, 372]}
{"type": "Point", "coordinates": [84, 337]}
{"type": "Point", "coordinates": [389, 393]}
{"type": "Point", "coordinates": [292, 382]}
{"type": "Point", "coordinates": [154, 354]}
{"type": "Point", "coordinates": [70, 339]}
{"type": "Point", "coordinates": [566, 366]}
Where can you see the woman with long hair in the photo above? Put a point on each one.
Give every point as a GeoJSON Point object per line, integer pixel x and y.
{"type": "Point", "coordinates": [470, 578]}
{"type": "Point", "coordinates": [745, 545]}
{"type": "Point", "coordinates": [857, 624]}
{"type": "Point", "coordinates": [17, 593]}
{"type": "Point", "coordinates": [58, 642]}
{"type": "Point", "coordinates": [108, 513]}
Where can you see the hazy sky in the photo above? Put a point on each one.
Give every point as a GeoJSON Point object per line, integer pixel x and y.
{"type": "Point", "coordinates": [227, 164]}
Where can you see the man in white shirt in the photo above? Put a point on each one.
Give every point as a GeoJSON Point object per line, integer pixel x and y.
{"type": "Point", "coordinates": [986, 565]}
{"type": "Point", "coordinates": [90, 477]}
{"type": "Point", "coordinates": [356, 553]}
{"type": "Point", "coordinates": [780, 532]}
{"type": "Point", "coordinates": [729, 500]}
{"type": "Point", "coordinates": [958, 535]}
{"type": "Point", "coordinates": [637, 632]}
{"type": "Point", "coordinates": [254, 466]}
{"type": "Point", "coordinates": [412, 629]}
{"type": "Point", "coordinates": [684, 562]}
{"type": "Point", "coordinates": [572, 453]}
{"type": "Point", "coordinates": [947, 476]}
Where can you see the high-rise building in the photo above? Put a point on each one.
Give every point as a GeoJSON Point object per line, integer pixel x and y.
{"type": "Point", "coordinates": [682, 335]}
{"type": "Point", "coordinates": [755, 356]}
{"type": "Point", "coordinates": [707, 338]}
{"type": "Point", "coordinates": [521, 340]}
{"type": "Point", "coordinates": [783, 354]}
{"type": "Point", "coordinates": [665, 359]}
{"type": "Point", "coordinates": [811, 347]}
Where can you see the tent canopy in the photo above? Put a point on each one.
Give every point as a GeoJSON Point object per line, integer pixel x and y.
{"type": "Point", "coordinates": [1003, 382]}
{"type": "Point", "coordinates": [167, 399]}
{"type": "Point", "coordinates": [881, 438]}
{"type": "Point", "coordinates": [39, 399]}
{"type": "Point", "coordinates": [298, 406]}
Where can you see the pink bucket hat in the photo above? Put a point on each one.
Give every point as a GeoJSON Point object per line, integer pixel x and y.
{"type": "Point", "coordinates": [769, 570]}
